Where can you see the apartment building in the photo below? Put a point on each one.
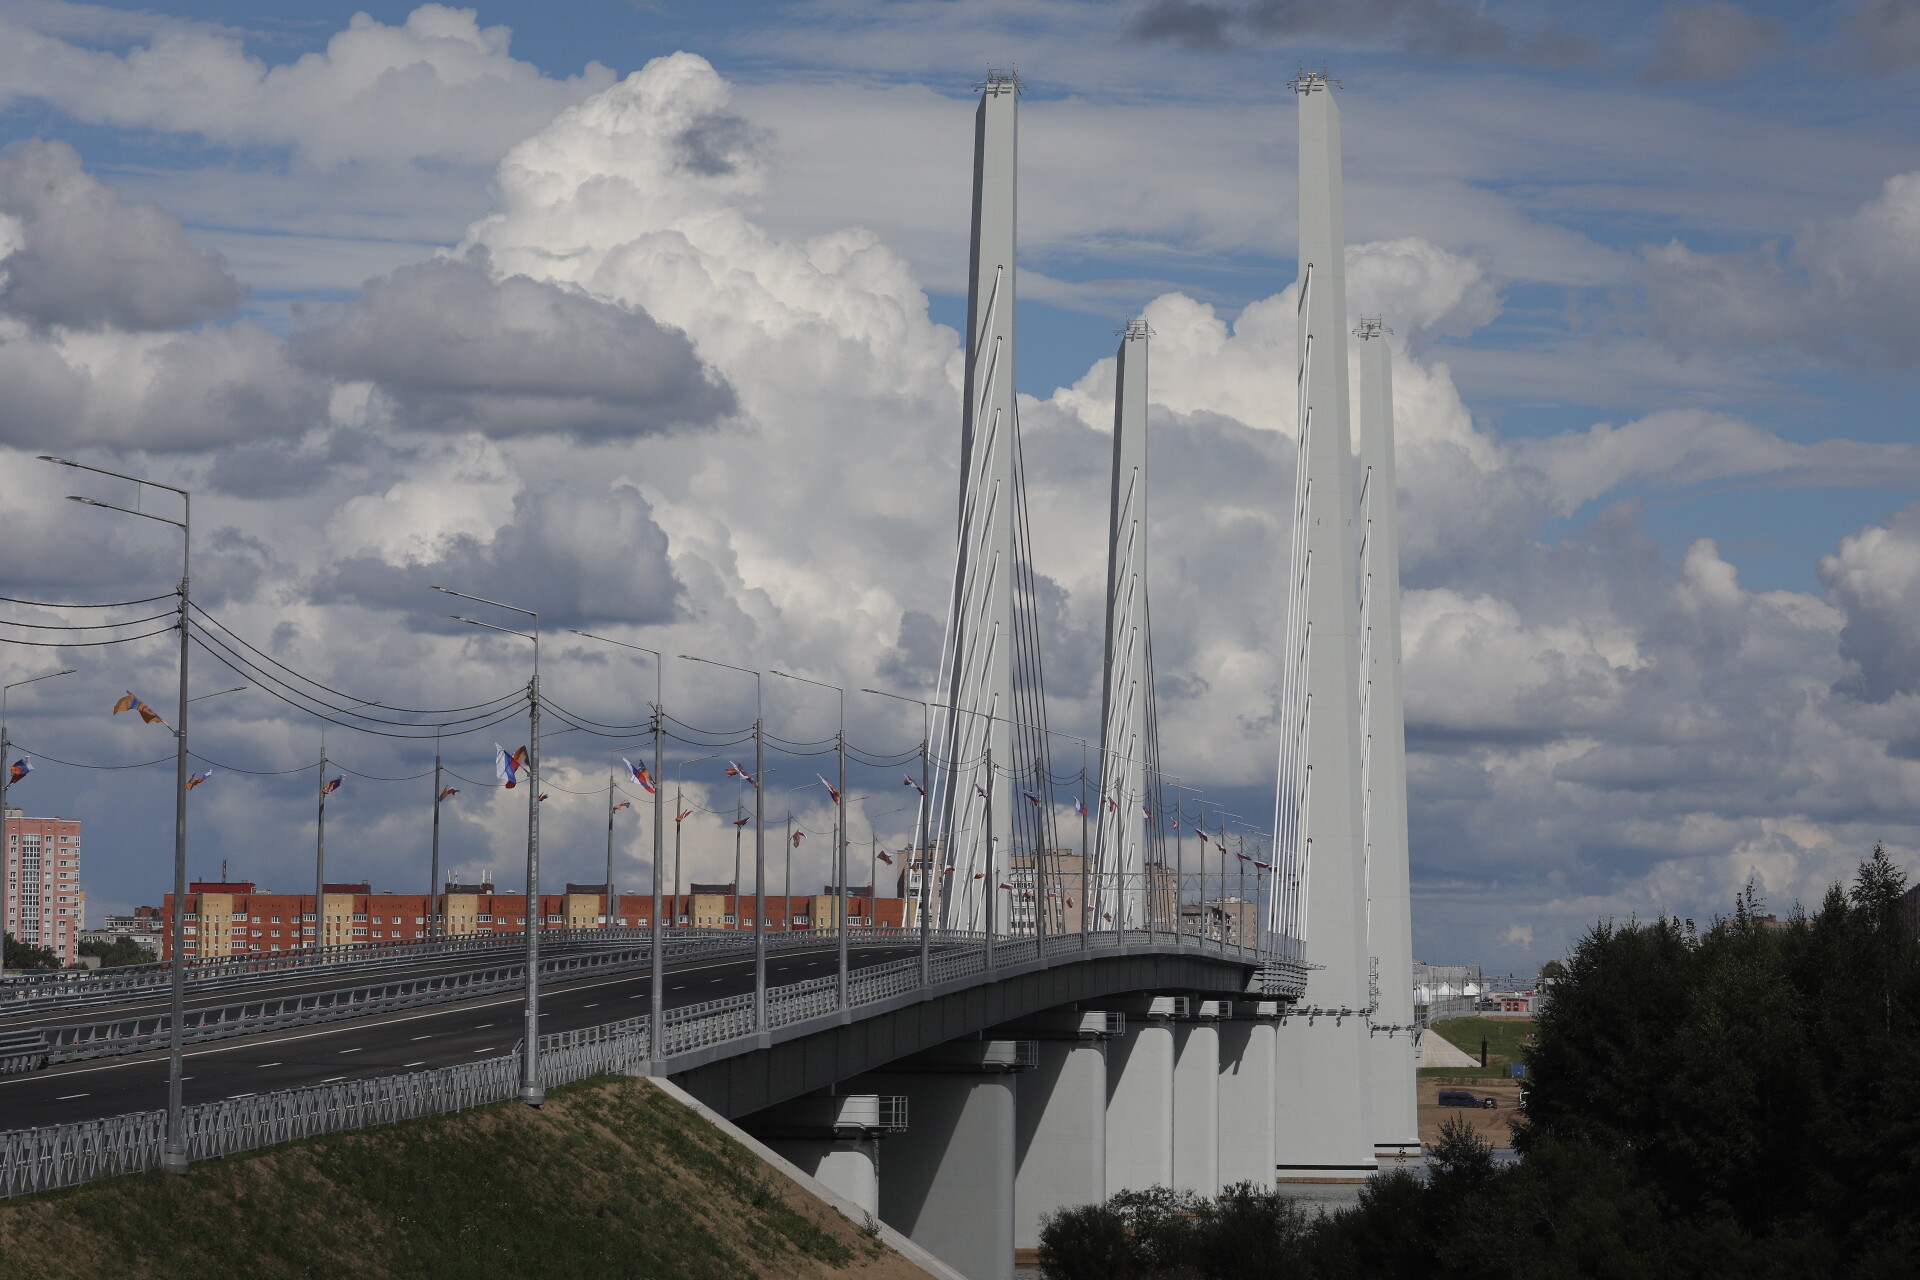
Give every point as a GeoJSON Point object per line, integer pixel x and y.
{"type": "Point", "coordinates": [229, 918]}
{"type": "Point", "coordinates": [45, 905]}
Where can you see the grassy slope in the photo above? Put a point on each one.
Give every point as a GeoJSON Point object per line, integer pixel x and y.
{"type": "Point", "coordinates": [611, 1178]}
{"type": "Point", "coordinates": [1503, 1036]}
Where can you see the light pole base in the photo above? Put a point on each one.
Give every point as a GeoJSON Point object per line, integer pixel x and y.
{"type": "Point", "coordinates": [532, 1094]}
{"type": "Point", "coordinates": [173, 1161]}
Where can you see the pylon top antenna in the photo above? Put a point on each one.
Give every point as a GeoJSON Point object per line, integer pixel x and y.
{"type": "Point", "coordinates": [1370, 327]}
{"type": "Point", "coordinates": [1136, 328]}
{"type": "Point", "coordinates": [1312, 80]}
{"type": "Point", "coordinates": [1001, 80]}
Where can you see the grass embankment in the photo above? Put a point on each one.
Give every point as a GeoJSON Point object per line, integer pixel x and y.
{"type": "Point", "coordinates": [1506, 1038]}
{"type": "Point", "coordinates": [612, 1178]}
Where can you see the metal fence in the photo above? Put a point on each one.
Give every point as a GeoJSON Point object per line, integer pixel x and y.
{"type": "Point", "coordinates": [68, 1155]}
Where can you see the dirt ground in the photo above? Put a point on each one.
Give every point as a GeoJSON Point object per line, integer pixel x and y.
{"type": "Point", "coordinates": [1493, 1125]}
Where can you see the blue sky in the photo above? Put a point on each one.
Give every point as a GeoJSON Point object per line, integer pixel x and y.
{"type": "Point", "coordinates": [1653, 267]}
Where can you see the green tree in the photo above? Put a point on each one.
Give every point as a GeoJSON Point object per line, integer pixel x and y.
{"type": "Point", "coordinates": [121, 951]}
{"type": "Point", "coordinates": [19, 955]}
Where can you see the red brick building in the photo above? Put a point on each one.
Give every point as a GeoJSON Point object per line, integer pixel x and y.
{"type": "Point", "coordinates": [236, 918]}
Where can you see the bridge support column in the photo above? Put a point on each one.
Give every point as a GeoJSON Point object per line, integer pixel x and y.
{"type": "Point", "coordinates": [949, 1179]}
{"type": "Point", "coordinates": [1060, 1149]}
{"type": "Point", "coordinates": [1247, 1093]}
{"type": "Point", "coordinates": [1196, 1099]}
{"type": "Point", "coordinates": [1323, 1071]}
{"type": "Point", "coordinates": [835, 1139]}
{"type": "Point", "coordinates": [1140, 1063]}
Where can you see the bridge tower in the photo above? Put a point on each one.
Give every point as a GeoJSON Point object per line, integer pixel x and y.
{"type": "Point", "coordinates": [1384, 765]}
{"type": "Point", "coordinates": [993, 729]}
{"type": "Point", "coordinates": [1131, 839]}
{"type": "Point", "coordinates": [1324, 1127]}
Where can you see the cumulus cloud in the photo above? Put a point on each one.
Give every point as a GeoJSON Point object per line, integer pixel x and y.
{"type": "Point", "coordinates": [577, 557]}
{"type": "Point", "coordinates": [1713, 41]}
{"type": "Point", "coordinates": [455, 348]}
{"type": "Point", "coordinates": [1434, 28]}
{"type": "Point", "coordinates": [438, 85]}
{"type": "Point", "coordinates": [1875, 577]}
{"type": "Point", "coordinates": [74, 253]}
{"type": "Point", "coordinates": [1847, 289]}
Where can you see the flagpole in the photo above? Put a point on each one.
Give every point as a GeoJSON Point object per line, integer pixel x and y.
{"type": "Point", "coordinates": [926, 851]}
{"type": "Point", "coordinates": [434, 890]}
{"type": "Point", "coordinates": [320, 856]}
{"type": "Point", "coordinates": [6, 780]}
{"type": "Point", "coordinates": [678, 822]}
{"type": "Point", "coordinates": [759, 862]}
{"type": "Point", "coordinates": [991, 883]}
{"type": "Point", "coordinates": [788, 895]}
{"type": "Point", "coordinates": [1086, 905]}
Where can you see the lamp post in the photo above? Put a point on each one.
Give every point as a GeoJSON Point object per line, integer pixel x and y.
{"type": "Point", "coordinates": [1180, 866]}
{"type": "Point", "coordinates": [320, 845]}
{"type": "Point", "coordinates": [656, 1025]}
{"type": "Point", "coordinates": [678, 799]}
{"type": "Point", "coordinates": [532, 1091]}
{"type": "Point", "coordinates": [840, 826]}
{"type": "Point", "coordinates": [173, 1154]}
{"type": "Point", "coordinates": [6, 774]}
{"type": "Point", "coordinates": [759, 846]}
{"type": "Point", "coordinates": [435, 889]}
{"type": "Point", "coordinates": [923, 840]}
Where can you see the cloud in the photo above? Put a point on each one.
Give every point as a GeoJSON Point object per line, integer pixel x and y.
{"type": "Point", "coordinates": [1847, 290]}
{"type": "Point", "coordinates": [576, 556]}
{"type": "Point", "coordinates": [1431, 28]}
{"type": "Point", "coordinates": [1874, 576]}
{"type": "Point", "coordinates": [152, 391]}
{"type": "Point", "coordinates": [438, 85]}
{"type": "Point", "coordinates": [74, 253]}
{"type": "Point", "coordinates": [454, 348]}
{"type": "Point", "coordinates": [1886, 34]}
{"type": "Point", "coordinates": [1713, 41]}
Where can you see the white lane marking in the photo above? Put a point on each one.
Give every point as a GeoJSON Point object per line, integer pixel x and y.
{"type": "Point", "coordinates": [483, 1026]}
{"type": "Point", "coordinates": [405, 1065]}
{"type": "Point", "coordinates": [237, 1096]}
{"type": "Point", "coordinates": [594, 1005]}
{"type": "Point", "coordinates": [331, 1079]}
{"type": "Point", "coordinates": [264, 1065]}
{"type": "Point", "coordinates": [71, 1096]}
{"type": "Point", "coordinates": [488, 1049]}
{"type": "Point", "coordinates": [353, 1050]}
{"type": "Point", "coordinates": [425, 1037]}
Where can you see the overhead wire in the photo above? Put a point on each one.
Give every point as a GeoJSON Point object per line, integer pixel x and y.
{"type": "Point", "coordinates": [84, 644]}
{"type": "Point", "coordinates": [117, 604]}
{"type": "Point", "coordinates": [86, 626]}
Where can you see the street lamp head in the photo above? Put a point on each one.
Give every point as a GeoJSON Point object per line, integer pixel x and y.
{"type": "Point", "coordinates": [47, 457]}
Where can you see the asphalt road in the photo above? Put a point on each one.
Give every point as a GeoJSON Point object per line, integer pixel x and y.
{"type": "Point", "coordinates": [213, 993]}
{"type": "Point", "coordinates": [389, 1045]}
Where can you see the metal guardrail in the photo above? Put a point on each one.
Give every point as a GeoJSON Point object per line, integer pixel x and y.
{"type": "Point", "coordinates": [67, 1155]}
{"type": "Point", "coordinates": [22, 1051]}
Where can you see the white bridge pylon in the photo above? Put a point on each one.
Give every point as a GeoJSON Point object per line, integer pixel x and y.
{"type": "Point", "coordinates": [993, 794]}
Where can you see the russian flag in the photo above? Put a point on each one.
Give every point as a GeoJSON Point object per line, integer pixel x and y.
{"type": "Point", "coordinates": [19, 769]}
{"type": "Point", "coordinates": [916, 786]}
{"type": "Point", "coordinates": [640, 775]}
{"type": "Point", "coordinates": [831, 789]}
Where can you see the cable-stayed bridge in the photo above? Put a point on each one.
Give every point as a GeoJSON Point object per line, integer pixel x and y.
{"type": "Point", "coordinates": [1045, 1025]}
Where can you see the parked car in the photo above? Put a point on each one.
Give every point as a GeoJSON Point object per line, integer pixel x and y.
{"type": "Point", "coordinates": [1461, 1098]}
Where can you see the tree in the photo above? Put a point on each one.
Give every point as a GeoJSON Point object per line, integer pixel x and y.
{"type": "Point", "coordinates": [18, 955]}
{"type": "Point", "coordinates": [121, 951]}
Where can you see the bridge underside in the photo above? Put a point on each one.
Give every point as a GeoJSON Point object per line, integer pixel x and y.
{"type": "Point", "coordinates": [817, 1054]}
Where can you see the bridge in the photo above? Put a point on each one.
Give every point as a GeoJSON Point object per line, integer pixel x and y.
{"type": "Point", "coordinates": [1032, 1038]}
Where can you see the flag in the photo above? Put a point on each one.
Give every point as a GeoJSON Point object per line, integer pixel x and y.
{"type": "Point", "coordinates": [946, 871]}
{"type": "Point", "coordinates": [916, 786]}
{"type": "Point", "coordinates": [131, 703]}
{"type": "Point", "coordinates": [19, 769]}
{"type": "Point", "coordinates": [831, 789]}
{"type": "Point", "coordinates": [1174, 822]}
{"type": "Point", "coordinates": [980, 791]}
{"type": "Point", "coordinates": [328, 788]}
{"type": "Point", "coordinates": [979, 875]}
{"type": "Point", "coordinates": [1264, 866]}
{"type": "Point", "coordinates": [1080, 806]}
{"type": "Point", "coordinates": [638, 772]}
{"type": "Point", "coordinates": [541, 798]}
{"type": "Point", "coordinates": [1006, 886]}
{"type": "Point", "coordinates": [683, 815]}
{"type": "Point", "coordinates": [1112, 804]}
{"type": "Point", "coordinates": [735, 771]}
{"type": "Point", "coordinates": [1031, 798]}
{"type": "Point", "coordinates": [1146, 813]}
{"type": "Point", "coordinates": [197, 780]}
{"type": "Point", "coordinates": [1107, 916]}
{"type": "Point", "coordinates": [507, 767]}
{"type": "Point", "coordinates": [624, 804]}
{"type": "Point", "coordinates": [798, 836]}
{"type": "Point", "coordinates": [741, 822]}
{"type": "Point", "coordinates": [1243, 857]}
{"type": "Point", "coordinates": [449, 793]}
{"type": "Point", "coordinates": [886, 857]}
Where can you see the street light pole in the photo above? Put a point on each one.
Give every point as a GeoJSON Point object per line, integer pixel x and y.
{"type": "Point", "coordinates": [759, 845]}
{"type": "Point", "coordinates": [173, 1154]}
{"type": "Point", "coordinates": [434, 887]}
{"type": "Point", "coordinates": [532, 1091]}
{"type": "Point", "coordinates": [840, 826]}
{"type": "Point", "coordinates": [924, 840]}
{"type": "Point", "coordinates": [656, 1024]}
{"type": "Point", "coordinates": [6, 775]}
